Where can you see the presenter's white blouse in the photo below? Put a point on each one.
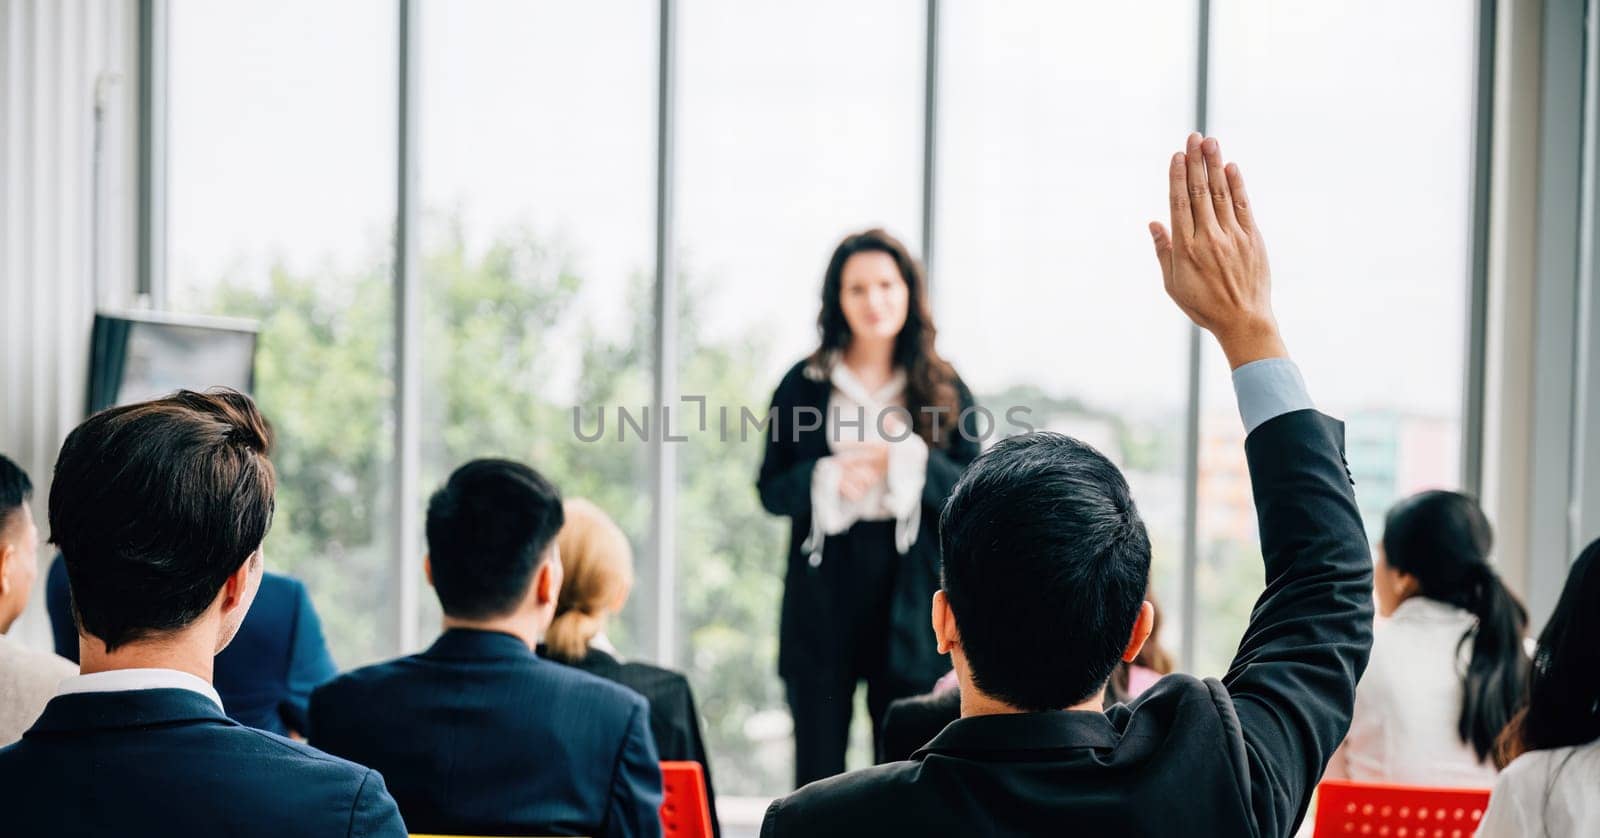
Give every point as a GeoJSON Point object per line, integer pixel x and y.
{"type": "Point", "coordinates": [1554, 792]}
{"type": "Point", "coordinates": [1409, 701]}
{"type": "Point", "coordinates": [857, 417]}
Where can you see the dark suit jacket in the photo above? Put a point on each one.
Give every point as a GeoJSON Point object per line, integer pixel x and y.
{"type": "Point", "coordinates": [1191, 757]}
{"type": "Point", "coordinates": [674, 724]}
{"type": "Point", "coordinates": [167, 762]}
{"type": "Point", "coordinates": [266, 675]}
{"type": "Point", "coordinates": [911, 723]}
{"type": "Point", "coordinates": [478, 735]}
{"type": "Point", "coordinates": [806, 637]}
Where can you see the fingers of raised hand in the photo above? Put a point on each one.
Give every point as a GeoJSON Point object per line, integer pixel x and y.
{"type": "Point", "coordinates": [1241, 201]}
{"type": "Point", "coordinates": [1205, 215]}
{"type": "Point", "coordinates": [1163, 245]}
{"type": "Point", "coordinates": [1178, 197]}
{"type": "Point", "coordinates": [1217, 182]}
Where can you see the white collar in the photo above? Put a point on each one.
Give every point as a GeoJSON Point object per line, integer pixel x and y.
{"type": "Point", "coordinates": [124, 680]}
{"type": "Point", "coordinates": [847, 382]}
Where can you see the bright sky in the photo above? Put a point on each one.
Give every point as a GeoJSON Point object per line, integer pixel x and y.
{"type": "Point", "coordinates": [800, 122]}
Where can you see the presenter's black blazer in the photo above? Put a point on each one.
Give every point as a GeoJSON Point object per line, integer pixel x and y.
{"type": "Point", "coordinates": [1235, 757]}
{"type": "Point", "coordinates": [480, 736]}
{"type": "Point", "coordinates": [166, 762]}
{"type": "Point", "coordinates": [809, 644]}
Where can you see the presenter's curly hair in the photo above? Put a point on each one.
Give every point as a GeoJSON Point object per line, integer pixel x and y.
{"type": "Point", "coordinates": [930, 380]}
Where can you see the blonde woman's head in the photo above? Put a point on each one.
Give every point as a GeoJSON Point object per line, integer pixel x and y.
{"type": "Point", "coordinates": [599, 574]}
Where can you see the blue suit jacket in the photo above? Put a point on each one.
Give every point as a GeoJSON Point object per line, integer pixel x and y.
{"type": "Point", "coordinates": [266, 675]}
{"type": "Point", "coordinates": [167, 762]}
{"type": "Point", "coordinates": [478, 735]}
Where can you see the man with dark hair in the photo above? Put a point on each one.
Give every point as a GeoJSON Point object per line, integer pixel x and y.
{"type": "Point", "coordinates": [1045, 566]}
{"type": "Point", "coordinates": [28, 678]}
{"type": "Point", "coordinates": [159, 509]}
{"type": "Point", "coordinates": [477, 734]}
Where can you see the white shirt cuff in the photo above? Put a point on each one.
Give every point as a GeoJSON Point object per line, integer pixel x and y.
{"type": "Point", "coordinates": [1267, 389]}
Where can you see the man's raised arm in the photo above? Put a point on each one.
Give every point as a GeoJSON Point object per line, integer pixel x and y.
{"type": "Point", "coordinates": [1293, 679]}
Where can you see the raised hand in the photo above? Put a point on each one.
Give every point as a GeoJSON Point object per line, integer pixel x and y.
{"type": "Point", "coordinates": [1213, 260]}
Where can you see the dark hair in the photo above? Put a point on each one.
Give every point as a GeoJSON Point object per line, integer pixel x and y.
{"type": "Point", "coordinates": [15, 489]}
{"type": "Point", "coordinates": [154, 505]}
{"type": "Point", "coordinates": [1563, 699]}
{"type": "Point", "coordinates": [930, 380]}
{"type": "Point", "coordinates": [488, 530]}
{"type": "Point", "coordinates": [1443, 539]}
{"type": "Point", "coordinates": [1045, 565]}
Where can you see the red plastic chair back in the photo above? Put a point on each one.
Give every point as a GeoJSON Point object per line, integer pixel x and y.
{"type": "Point", "coordinates": [1385, 811]}
{"type": "Point", "coordinates": [685, 812]}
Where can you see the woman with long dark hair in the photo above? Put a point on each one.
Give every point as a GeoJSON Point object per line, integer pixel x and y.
{"type": "Point", "coordinates": [868, 436]}
{"type": "Point", "coordinates": [1448, 666]}
{"type": "Point", "coordinates": [1551, 749]}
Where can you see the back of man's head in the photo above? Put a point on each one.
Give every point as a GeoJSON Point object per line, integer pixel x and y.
{"type": "Point", "coordinates": [1045, 564]}
{"type": "Point", "coordinates": [15, 489]}
{"type": "Point", "coordinates": [154, 505]}
{"type": "Point", "coordinates": [489, 528]}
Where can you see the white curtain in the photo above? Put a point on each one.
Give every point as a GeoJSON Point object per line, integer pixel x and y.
{"type": "Point", "coordinates": [68, 83]}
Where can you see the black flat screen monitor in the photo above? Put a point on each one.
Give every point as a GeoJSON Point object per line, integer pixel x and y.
{"type": "Point", "coordinates": [134, 357]}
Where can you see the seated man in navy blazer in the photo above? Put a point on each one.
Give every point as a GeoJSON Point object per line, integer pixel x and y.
{"type": "Point", "coordinates": [1045, 566]}
{"type": "Point", "coordinates": [478, 735]}
{"type": "Point", "coordinates": [160, 509]}
{"type": "Point", "coordinates": [266, 675]}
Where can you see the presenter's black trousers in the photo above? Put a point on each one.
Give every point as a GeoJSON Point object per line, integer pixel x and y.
{"type": "Point", "coordinates": [857, 571]}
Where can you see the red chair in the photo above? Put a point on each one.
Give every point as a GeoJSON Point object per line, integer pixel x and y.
{"type": "Point", "coordinates": [685, 812]}
{"type": "Point", "coordinates": [1385, 811]}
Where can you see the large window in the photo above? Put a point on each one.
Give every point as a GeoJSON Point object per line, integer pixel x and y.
{"type": "Point", "coordinates": [1369, 260]}
{"type": "Point", "coordinates": [538, 216]}
{"type": "Point", "coordinates": [538, 241]}
{"type": "Point", "coordinates": [797, 124]}
{"type": "Point", "coordinates": [281, 202]}
{"type": "Point", "coordinates": [1055, 121]}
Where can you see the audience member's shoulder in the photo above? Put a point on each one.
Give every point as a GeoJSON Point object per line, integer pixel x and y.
{"type": "Point", "coordinates": [939, 702]}
{"type": "Point", "coordinates": [1178, 699]}
{"type": "Point", "coordinates": [290, 751]}
{"type": "Point", "coordinates": [294, 589]}
{"type": "Point", "coordinates": [922, 715]}
{"type": "Point", "coordinates": [654, 680]}
{"type": "Point", "coordinates": [602, 693]}
{"type": "Point", "coordinates": [1392, 649]}
{"type": "Point", "coordinates": [1179, 687]}
{"type": "Point", "coordinates": [1527, 775]}
{"type": "Point", "coordinates": [18, 660]}
{"type": "Point", "coordinates": [838, 801]}
{"type": "Point", "coordinates": [276, 602]}
{"type": "Point", "coordinates": [373, 676]}
{"type": "Point", "coordinates": [311, 768]}
{"type": "Point", "coordinates": [1537, 770]}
